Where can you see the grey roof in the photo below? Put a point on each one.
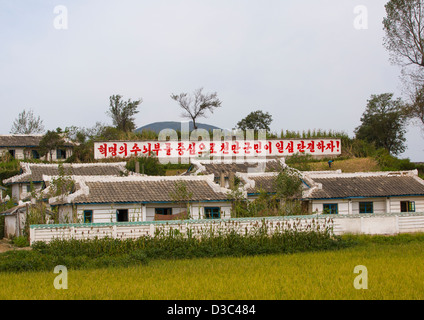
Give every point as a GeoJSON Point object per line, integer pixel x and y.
{"type": "Point", "coordinates": [217, 168]}
{"type": "Point", "coordinates": [34, 172]}
{"type": "Point", "coordinates": [21, 140]}
{"type": "Point", "coordinates": [160, 190]}
{"type": "Point", "coordinates": [368, 186]}
{"type": "Point", "coordinates": [265, 183]}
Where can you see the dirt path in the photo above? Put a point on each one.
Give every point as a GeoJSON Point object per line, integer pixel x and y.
{"type": "Point", "coordinates": [6, 246]}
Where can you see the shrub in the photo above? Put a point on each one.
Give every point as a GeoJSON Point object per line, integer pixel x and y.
{"type": "Point", "coordinates": [21, 241]}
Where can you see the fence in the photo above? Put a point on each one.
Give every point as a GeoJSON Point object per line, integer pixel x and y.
{"type": "Point", "coordinates": [389, 224]}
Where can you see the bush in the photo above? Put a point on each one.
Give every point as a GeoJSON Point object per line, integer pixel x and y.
{"type": "Point", "coordinates": [21, 242]}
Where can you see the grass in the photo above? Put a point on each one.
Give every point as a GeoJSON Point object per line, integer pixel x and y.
{"type": "Point", "coordinates": [394, 272]}
{"type": "Point", "coordinates": [348, 165]}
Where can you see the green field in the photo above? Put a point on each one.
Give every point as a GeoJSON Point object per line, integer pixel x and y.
{"type": "Point", "coordinates": [395, 271]}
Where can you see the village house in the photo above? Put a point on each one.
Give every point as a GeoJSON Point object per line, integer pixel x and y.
{"type": "Point", "coordinates": [366, 192]}
{"type": "Point", "coordinates": [334, 192]}
{"type": "Point", "coordinates": [21, 146]}
{"type": "Point", "coordinates": [2, 194]}
{"type": "Point", "coordinates": [225, 171]}
{"type": "Point", "coordinates": [31, 178]}
{"type": "Point", "coordinates": [142, 198]}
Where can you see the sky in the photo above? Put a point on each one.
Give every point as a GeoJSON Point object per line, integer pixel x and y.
{"type": "Point", "coordinates": [311, 64]}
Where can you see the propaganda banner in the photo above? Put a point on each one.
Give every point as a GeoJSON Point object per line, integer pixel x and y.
{"type": "Point", "coordinates": [214, 149]}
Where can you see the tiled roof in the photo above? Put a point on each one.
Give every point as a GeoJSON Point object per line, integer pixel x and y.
{"type": "Point", "coordinates": [227, 168]}
{"type": "Point", "coordinates": [265, 183]}
{"type": "Point", "coordinates": [21, 140]}
{"type": "Point", "coordinates": [34, 172]}
{"type": "Point", "coordinates": [367, 186]}
{"type": "Point", "coordinates": [143, 189]}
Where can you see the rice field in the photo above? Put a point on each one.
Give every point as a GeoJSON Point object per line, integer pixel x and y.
{"type": "Point", "coordinates": [395, 271]}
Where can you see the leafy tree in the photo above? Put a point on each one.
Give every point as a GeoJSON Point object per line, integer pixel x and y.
{"type": "Point", "coordinates": [383, 123]}
{"type": "Point", "coordinates": [404, 39]}
{"type": "Point", "coordinates": [49, 143]}
{"type": "Point", "coordinates": [149, 165]}
{"type": "Point", "coordinates": [256, 120]}
{"type": "Point", "coordinates": [415, 108]}
{"type": "Point", "coordinates": [181, 195]}
{"type": "Point", "coordinates": [403, 26]}
{"type": "Point", "coordinates": [122, 112]}
{"type": "Point", "coordinates": [197, 105]}
{"type": "Point", "coordinates": [27, 123]}
{"type": "Point", "coordinates": [288, 188]}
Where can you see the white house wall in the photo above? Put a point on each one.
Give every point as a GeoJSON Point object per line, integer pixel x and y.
{"type": "Point", "coordinates": [19, 190]}
{"type": "Point", "coordinates": [21, 153]}
{"type": "Point", "coordinates": [380, 205]}
{"type": "Point", "coordinates": [105, 213]}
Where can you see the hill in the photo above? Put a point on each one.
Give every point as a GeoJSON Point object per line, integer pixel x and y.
{"type": "Point", "coordinates": [175, 125]}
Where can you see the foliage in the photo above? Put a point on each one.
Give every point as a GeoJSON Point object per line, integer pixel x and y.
{"type": "Point", "coordinates": [197, 105]}
{"type": "Point", "coordinates": [50, 142]}
{"type": "Point", "coordinates": [388, 162]}
{"type": "Point", "coordinates": [256, 120]}
{"type": "Point", "coordinates": [172, 244]}
{"type": "Point", "coordinates": [63, 184]}
{"type": "Point", "coordinates": [20, 241]}
{"type": "Point", "coordinates": [181, 195]}
{"type": "Point", "coordinates": [27, 123]}
{"type": "Point", "coordinates": [122, 112]}
{"type": "Point", "coordinates": [300, 161]}
{"type": "Point", "coordinates": [313, 134]}
{"type": "Point", "coordinates": [149, 165]}
{"type": "Point", "coordinates": [9, 167]}
{"type": "Point", "coordinates": [415, 108]}
{"type": "Point", "coordinates": [383, 123]}
{"type": "Point", "coordinates": [404, 33]}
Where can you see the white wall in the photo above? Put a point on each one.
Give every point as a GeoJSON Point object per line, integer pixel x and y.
{"type": "Point", "coordinates": [21, 153]}
{"type": "Point", "coordinates": [381, 205]}
{"type": "Point", "coordinates": [105, 213]}
{"type": "Point", "coordinates": [359, 224]}
{"type": "Point", "coordinates": [19, 190]}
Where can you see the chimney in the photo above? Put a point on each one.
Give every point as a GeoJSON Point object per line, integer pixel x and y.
{"type": "Point", "coordinates": [232, 178]}
{"type": "Point", "coordinates": [222, 179]}
{"type": "Point", "coordinates": [137, 167]}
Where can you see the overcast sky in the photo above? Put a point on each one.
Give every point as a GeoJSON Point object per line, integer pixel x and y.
{"type": "Point", "coordinates": [304, 61]}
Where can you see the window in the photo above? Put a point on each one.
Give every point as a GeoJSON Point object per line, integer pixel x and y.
{"type": "Point", "coordinates": [60, 154]}
{"type": "Point", "coordinates": [164, 211]}
{"type": "Point", "coordinates": [366, 207]}
{"type": "Point", "coordinates": [407, 206]}
{"type": "Point", "coordinates": [12, 153]}
{"type": "Point", "coordinates": [330, 208]}
{"type": "Point", "coordinates": [35, 154]}
{"type": "Point", "coordinates": [212, 212]}
{"type": "Point", "coordinates": [122, 215]}
{"type": "Point", "coordinates": [28, 188]}
{"type": "Point", "coordinates": [88, 216]}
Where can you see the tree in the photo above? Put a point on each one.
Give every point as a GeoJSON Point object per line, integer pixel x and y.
{"type": "Point", "coordinates": [415, 108]}
{"type": "Point", "coordinates": [148, 165]}
{"type": "Point", "coordinates": [197, 105]}
{"type": "Point", "coordinates": [49, 143]}
{"type": "Point", "coordinates": [404, 28]}
{"type": "Point", "coordinates": [181, 195]}
{"type": "Point", "coordinates": [256, 120]}
{"type": "Point", "coordinates": [383, 123]}
{"type": "Point", "coordinates": [27, 123]}
{"type": "Point", "coordinates": [122, 112]}
{"type": "Point", "coordinates": [288, 188]}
